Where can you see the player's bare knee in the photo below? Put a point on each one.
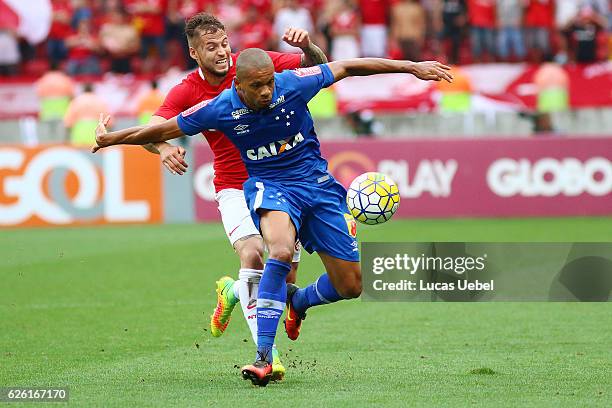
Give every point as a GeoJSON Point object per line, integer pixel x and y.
{"type": "Point", "coordinates": [251, 258]}
{"type": "Point", "coordinates": [281, 253]}
{"type": "Point", "coordinates": [250, 253]}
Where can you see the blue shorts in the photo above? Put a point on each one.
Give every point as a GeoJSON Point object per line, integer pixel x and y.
{"type": "Point", "coordinates": [318, 211]}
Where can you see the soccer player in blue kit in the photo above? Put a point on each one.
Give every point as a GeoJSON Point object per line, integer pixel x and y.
{"type": "Point", "coordinates": [290, 193]}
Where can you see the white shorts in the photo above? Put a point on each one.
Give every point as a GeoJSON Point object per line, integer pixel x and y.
{"type": "Point", "coordinates": [374, 40]}
{"type": "Point", "coordinates": [236, 218]}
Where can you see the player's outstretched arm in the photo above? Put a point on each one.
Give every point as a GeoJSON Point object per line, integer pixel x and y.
{"type": "Point", "coordinates": [137, 135]}
{"type": "Point", "coordinates": [155, 147]}
{"type": "Point", "coordinates": [426, 70]}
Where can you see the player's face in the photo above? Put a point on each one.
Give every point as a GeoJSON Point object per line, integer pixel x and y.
{"type": "Point", "coordinates": [257, 87]}
{"type": "Point", "coordinates": [212, 52]}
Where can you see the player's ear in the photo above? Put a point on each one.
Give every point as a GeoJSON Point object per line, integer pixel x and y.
{"type": "Point", "coordinates": [193, 54]}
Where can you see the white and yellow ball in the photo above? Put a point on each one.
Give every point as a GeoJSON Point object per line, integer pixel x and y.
{"type": "Point", "coordinates": [373, 198]}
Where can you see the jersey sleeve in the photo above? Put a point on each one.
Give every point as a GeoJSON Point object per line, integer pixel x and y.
{"type": "Point", "coordinates": [175, 102]}
{"type": "Point", "coordinates": [198, 118]}
{"type": "Point", "coordinates": [283, 61]}
{"type": "Point", "coordinates": [309, 81]}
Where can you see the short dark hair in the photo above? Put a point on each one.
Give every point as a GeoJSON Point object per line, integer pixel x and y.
{"type": "Point", "coordinates": [251, 58]}
{"type": "Point", "coordinates": [202, 23]}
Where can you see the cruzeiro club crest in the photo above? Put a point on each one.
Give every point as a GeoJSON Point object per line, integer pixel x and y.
{"type": "Point", "coordinates": [351, 224]}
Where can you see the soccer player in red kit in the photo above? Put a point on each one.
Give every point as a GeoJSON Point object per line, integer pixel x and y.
{"type": "Point", "coordinates": [209, 47]}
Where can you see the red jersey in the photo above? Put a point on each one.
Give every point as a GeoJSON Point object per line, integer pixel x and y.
{"type": "Point", "coordinates": [481, 13]}
{"type": "Point", "coordinates": [80, 52]}
{"type": "Point", "coordinates": [540, 13]}
{"type": "Point", "coordinates": [59, 30]}
{"type": "Point", "coordinates": [264, 7]}
{"type": "Point", "coordinates": [189, 8]}
{"type": "Point", "coordinates": [229, 168]}
{"type": "Point", "coordinates": [374, 11]}
{"type": "Point", "coordinates": [151, 23]}
{"type": "Point", "coordinates": [256, 34]}
{"type": "Point", "coordinates": [346, 20]}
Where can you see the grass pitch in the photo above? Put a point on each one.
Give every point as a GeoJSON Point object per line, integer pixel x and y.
{"type": "Point", "coordinates": [120, 315]}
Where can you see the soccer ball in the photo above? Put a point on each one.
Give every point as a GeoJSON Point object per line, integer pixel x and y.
{"type": "Point", "coordinates": [372, 198]}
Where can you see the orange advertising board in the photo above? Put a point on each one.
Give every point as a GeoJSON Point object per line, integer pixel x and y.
{"type": "Point", "coordinates": [62, 185]}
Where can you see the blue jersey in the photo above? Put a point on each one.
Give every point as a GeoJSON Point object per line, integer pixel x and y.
{"type": "Point", "coordinates": [276, 143]}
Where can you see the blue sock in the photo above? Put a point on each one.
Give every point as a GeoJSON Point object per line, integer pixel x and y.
{"type": "Point", "coordinates": [271, 299]}
{"type": "Point", "coordinates": [318, 293]}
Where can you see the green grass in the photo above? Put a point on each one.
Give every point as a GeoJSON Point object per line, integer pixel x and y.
{"type": "Point", "coordinates": [119, 314]}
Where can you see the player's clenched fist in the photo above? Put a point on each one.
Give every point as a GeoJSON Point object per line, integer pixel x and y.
{"type": "Point", "coordinates": [297, 37]}
{"type": "Point", "coordinates": [432, 71]}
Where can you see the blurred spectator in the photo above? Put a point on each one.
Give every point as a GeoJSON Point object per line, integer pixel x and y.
{"type": "Point", "coordinates": [182, 10]}
{"type": "Point", "coordinates": [456, 96]}
{"type": "Point", "coordinates": [324, 105]}
{"type": "Point", "coordinates": [83, 49]}
{"type": "Point", "coordinates": [408, 28]}
{"type": "Point", "coordinates": [565, 11]}
{"type": "Point", "coordinates": [179, 11]}
{"type": "Point", "coordinates": [432, 27]}
{"type": "Point", "coordinates": [323, 24]}
{"type": "Point", "coordinates": [9, 52]}
{"type": "Point", "coordinates": [481, 15]}
{"type": "Point", "coordinates": [374, 19]}
{"type": "Point", "coordinates": [552, 84]}
{"type": "Point", "coordinates": [584, 29]}
{"type": "Point", "coordinates": [314, 6]}
{"type": "Point", "coordinates": [82, 116]}
{"type": "Point", "coordinates": [60, 30]}
{"type": "Point", "coordinates": [539, 16]}
{"type": "Point", "coordinates": [256, 31]}
{"type": "Point", "coordinates": [54, 89]}
{"type": "Point", "coordinates": [509, 29]}
{"type": "Point", "coordinates": [291, 14]}
{"type": "Point", "coordinates": [148, 16]}
{"type": "Point", "coordinates": [602, 7]}
{"type": "Point", "coordinates": [263, 7]}
{"type": "Point", "coordinates": [344, 31]}
{"type": "Point", "coordinates": [231, 13]}
{"type": "Point", "coordinates": [149, 103]}
{"type": "Point", "coordinates": [454, 18]}
{"type": "Point", "coordinates": [81, 11]}
{"type": "Point", "coordinates": [120, 40]}
{"type": "Point", "coordinates": [363, 123]}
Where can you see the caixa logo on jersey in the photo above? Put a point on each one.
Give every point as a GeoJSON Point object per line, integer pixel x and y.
{"type": "Point", "coordinates": [274, 148]}
{"type": "Point", "coordinates": [62, 186]}
{"type": "Point", "coordinates": [237, 114]}
{"type": "Point", "coordinates": [549, 177]}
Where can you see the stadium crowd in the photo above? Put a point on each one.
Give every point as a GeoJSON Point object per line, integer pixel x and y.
{"type": "Point", "coordinates": [88, 37]}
